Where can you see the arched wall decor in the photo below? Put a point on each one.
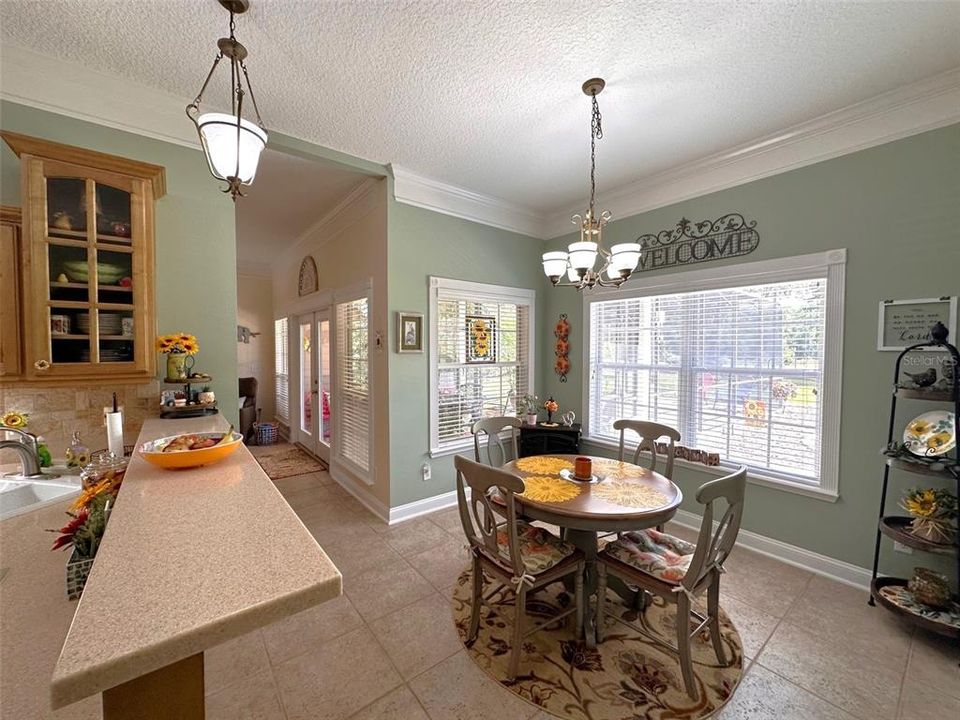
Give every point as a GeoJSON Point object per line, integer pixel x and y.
{"type": "Point", "coordinates": [309, 281]}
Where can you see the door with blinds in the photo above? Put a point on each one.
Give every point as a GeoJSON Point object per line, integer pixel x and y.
{"type": "Point", "coordinates": [314, 407]}
{"type": "Point", "coordinates": [352, 407]}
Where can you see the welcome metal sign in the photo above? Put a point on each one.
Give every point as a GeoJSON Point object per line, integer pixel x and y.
{"type": "Point", "coordinates": [688, 243]}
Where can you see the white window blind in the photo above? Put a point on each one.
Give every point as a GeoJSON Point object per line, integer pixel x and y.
{"type": "Point", "coordinates": [738, 371]}
{"type": "Point", "coordinates": [466, 391]}
{"type": "Point", "coordinates": [281, 369]}
{"type": "Point", "coordinates": [352, 404]}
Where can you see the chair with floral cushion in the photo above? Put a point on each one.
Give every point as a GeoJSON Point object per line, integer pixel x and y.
{"type": "Point", "coordinates": [495, 451]}
{"type": "Point", "coordinates": [520, 556]}
{"type": "Point", "coordinates": [679, 571]}
{"type": "Point", "coordinates": [649, 433]}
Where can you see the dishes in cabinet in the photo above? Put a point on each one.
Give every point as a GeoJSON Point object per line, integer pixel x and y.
{"type": "Point", "coordinates": [931, 434]}
{"type": "Point", "coordinates": [107, 273]}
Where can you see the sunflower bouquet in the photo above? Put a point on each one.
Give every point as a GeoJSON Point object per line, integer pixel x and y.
{"type": "Point", "coordinates": [184, 343]}
{"type": "Point", "coordinates": [934, 513]}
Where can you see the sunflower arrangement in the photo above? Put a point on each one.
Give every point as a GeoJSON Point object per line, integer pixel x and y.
{"type": "Point", "coordinates": [934, 513]}
{"type": "Point", "coordinates": [178, 343]}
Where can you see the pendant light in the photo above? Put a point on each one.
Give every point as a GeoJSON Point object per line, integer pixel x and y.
{"type": "Point", "coordinates": [231, 143]}
{"type": "Point", "coordinates": [579, 261]}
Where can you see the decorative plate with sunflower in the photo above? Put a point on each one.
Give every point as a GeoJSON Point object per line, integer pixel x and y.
{"type": "Point", "coordinates": [931, 434]}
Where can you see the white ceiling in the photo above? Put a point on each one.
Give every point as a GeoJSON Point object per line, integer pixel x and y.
{"type": "Point", "coordinates": [289, 196]}
{"type": "Point", "coordinates": [486, 95]}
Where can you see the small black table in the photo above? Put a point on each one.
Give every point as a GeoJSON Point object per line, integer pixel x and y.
{"type": "Point", "coordinates": [540, 440]}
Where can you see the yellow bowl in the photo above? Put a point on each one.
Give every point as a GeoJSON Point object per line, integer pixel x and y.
{"type": "Point", "coordinates": [153, 452]}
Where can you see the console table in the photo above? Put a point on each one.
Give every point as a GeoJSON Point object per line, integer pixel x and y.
{"type": "Point", "coordinates": [540, 440]}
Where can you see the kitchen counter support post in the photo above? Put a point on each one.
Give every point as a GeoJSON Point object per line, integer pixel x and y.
{"type": "Point", "coordinates": [174, 692]}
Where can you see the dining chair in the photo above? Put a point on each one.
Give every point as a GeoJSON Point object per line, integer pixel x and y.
{"type": "Point", "coordinates": [678, 571]}
{"type": "Point", "coordinates": [522, 557]}
{"type": "Point", "coordinates": [649, 433]}
{"type": "Point", "coordinates": [492, 428]}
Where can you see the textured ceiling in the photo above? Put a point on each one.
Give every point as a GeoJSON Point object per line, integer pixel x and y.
{"type": "Point", "coordinates": [289, 196]}
{"type": "Point", "coordinates": [486, 95]}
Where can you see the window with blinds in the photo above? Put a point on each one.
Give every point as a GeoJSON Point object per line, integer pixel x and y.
{"type": "Point", "coordinates": [352, 393]}
{"type": "Point", "coordinates": [738, 371]}
{"type": "Point", "coordinates": [281, 369]}
{"type": "Point", "coordinates": [467, 387]}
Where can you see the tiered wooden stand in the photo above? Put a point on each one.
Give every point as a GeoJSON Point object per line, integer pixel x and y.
{"type": "Point", "coordinates": [188, 410]}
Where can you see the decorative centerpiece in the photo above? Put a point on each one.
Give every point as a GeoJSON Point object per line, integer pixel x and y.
{"type": "Point", "coordinates": [934, 513]}
{"type": "Point", "coordinates": [528, 406]}
{"type": "Point", "coordinates": [178, 347]}
{"type": "Point", "coordinates": [551, 407]}
{"type": "Point", "coordinates": [77, 453]}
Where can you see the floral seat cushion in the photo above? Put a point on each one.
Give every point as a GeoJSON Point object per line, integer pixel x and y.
{"type": "Point", "coordinates": [662, 556]}
{"type": "Point", "coordinates": [540, 549]}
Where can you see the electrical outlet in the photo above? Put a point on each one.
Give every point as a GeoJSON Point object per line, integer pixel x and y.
{"type": "Point", "coordinates": [901, 548]}
{"type": "Point", "coordinates": [425, 471]}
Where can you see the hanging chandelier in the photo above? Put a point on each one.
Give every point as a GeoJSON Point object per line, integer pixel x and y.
{"type": "Point", "coordinates": [578, 263]}
{"type": "Point", "coordinates": [231, 144]}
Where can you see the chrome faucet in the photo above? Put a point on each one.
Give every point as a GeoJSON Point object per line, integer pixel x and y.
{"type": "Point", "coordinates": [27, 448]}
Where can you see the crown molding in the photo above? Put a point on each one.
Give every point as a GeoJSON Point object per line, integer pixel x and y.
{"type": "Point", "coordinates": [420, 191]}
{"type": "Point", "coordinates": [909, 110]}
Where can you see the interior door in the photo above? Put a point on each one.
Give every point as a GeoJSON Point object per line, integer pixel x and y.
{"type": "Point", "coordinates": [324, 428]}
{"type": "Point", "coordinates": [314, 422]}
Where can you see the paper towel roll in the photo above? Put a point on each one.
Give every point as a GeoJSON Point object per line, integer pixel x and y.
{"type": "Point", "coordinates": [115, 433]}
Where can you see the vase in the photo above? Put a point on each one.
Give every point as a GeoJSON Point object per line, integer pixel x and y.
{"type": "Point", "coordinates": [78, 568]}
{"type": "Point", "coordinates": [177, 366]}
{"type": "Point", "coordinates": [531, 418]}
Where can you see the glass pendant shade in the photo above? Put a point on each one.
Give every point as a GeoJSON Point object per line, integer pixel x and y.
{"type": "Point", "coordinates": [554, 264]}
{"type": "Point", "coordinates": [572, 275]}
{"type": "Point", "coordinates": [583, 255]}
{"type": "Point", "coordinates": [624, 256]}
{"type": "Point", "coordinates": [218, 132]}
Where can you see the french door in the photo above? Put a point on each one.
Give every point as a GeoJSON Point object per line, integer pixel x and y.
{"type": "Point", "coordinates": [314, 422]}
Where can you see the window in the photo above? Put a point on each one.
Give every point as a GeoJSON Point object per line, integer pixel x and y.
{"type": "Point", "coordinates": [469, 381]}
{"type": "Point", "coordinates": [352, 387]}
{"type": "Point", "coordinates": [281, 368]}
{"type": "Point", "coordinates": [744, 362]}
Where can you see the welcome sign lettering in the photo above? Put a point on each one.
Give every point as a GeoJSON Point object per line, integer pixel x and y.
{"type": "Point", "coordinates": [688, 243]}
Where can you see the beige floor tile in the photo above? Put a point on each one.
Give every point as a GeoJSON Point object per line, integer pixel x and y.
{"type": "Point", "coordinates": [337, 679]}
{"type": "Point", "coordinates": [832, 609]}
{"type": "Point", "coordinates": [834, 670]}
{"type": "Point", "coordinates": [442, 564]}
{"type": "Point", "coordinates": [449, 520]}
{"type": "Point", "coordinates": [924, 702]}
{"type": "Point", "coordinates": [418, 636]}
{"type": "Point", "coordinates": [935, 661]}
{"type": "Point", "coordinates": [254, 699]}
{"type": "Point", "coordinates": [306, 630]}
{"type": "Point", "coordinates": [400, 704]}
{"type": "Point", "coordinates": [383, 590]}
{"type": "Point", "coordinates": [307, 497]}
{"type": "Point", "coordinates": [763, 695]}
{"type": "Point", "coordinates": [457, 689]}
{"type": "Point", "coordinates": [765, 583]}
{"type": "Point", "coordinates": [356, 557]}
{"type": "Point", "coordinates": [414, 536]}
{"type": "Point", "coordinates": [755, 626]}
{"type": "Point", "coordinates": [303, 482]}
{"type": "Point", "coordinates": [234, 661]}
{"type": "Point", "coordinates": [340, 535]}
{"type": "Point", "coordinates": [329, 513]}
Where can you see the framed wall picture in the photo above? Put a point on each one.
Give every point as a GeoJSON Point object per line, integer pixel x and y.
{"type": "Point", "coordinates": [409, 332]}
{"type": "Point", "coordinates": [481, 340]}
{"type": "Point", "coordinates": [906, 322]}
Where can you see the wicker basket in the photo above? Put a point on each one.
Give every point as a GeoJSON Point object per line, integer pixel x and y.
{"type": "Point", "coordinates": [78, 569]}
{"type": "Point", "coordinates": [266, 433]}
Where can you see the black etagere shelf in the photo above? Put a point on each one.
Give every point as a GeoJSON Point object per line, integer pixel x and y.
{"type": "Point", "coordinates": [943, 467]}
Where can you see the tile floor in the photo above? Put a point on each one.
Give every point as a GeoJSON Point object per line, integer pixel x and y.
{"type": "Point", "coordinates": [387, 647]}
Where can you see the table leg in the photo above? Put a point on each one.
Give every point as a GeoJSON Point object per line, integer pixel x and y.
{"type": "Point", "coordinates": [586, 540]}
{"type": "Point", "coordinates": [174, 692]}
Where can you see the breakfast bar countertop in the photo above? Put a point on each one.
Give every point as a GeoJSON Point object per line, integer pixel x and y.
{"type": "Point", "coordinates": [191, 559]}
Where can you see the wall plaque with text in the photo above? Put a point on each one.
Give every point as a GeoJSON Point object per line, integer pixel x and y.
{"type": "Point", "coordinates": [689, 243]}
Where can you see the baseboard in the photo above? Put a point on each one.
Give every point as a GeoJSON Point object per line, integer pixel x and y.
{"type": "Point", "coordinates": [829, 567]}
{"type": "Point", "coordinates": [364, 498]}
{"type": "Point", "coordinates": [422, 507]}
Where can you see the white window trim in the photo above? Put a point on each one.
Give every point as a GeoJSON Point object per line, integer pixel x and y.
{"type": "Point", "coordinates": [830, 264]}
{"type": "Point", "coordinates": [338, 461]}
{"type": "Point", "coordinates": [481, 291]}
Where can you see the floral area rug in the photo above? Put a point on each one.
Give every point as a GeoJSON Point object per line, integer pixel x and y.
{"type": "Point", "coordinates": [287, 462]}
{"type": "Point", "coordinates": [628, 677]}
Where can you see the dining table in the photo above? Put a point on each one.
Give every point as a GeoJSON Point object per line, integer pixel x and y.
{"type": "Point", "coordinates": [618, 497]}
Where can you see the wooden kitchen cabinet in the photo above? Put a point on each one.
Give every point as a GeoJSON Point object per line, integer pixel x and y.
{"type": "Point", "coordinates": [10, 342]}
{"type": "Point", "coordinates": [86, 269]}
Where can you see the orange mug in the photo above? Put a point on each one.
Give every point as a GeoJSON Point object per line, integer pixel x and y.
{"type": "Point", "coordinates": [583, 468]}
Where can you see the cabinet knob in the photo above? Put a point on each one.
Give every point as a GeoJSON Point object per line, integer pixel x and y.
{"type": "Point", "coordinates": [42, 365]}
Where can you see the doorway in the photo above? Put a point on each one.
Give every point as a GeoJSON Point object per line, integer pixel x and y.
{"type": "Point", "coordinates": [314, 422]}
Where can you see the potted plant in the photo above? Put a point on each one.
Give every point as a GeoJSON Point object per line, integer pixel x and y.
{"type": "Point", "coordinates": [934, 513]}
{"type": "Point", "coordinates": [206, 395]}
{"type": "Point", "coordinates": [83, 532]}
{"type": "Point", "coordinates": [177, 347]}
{"type": "Point", "coordinates": [529, 405]}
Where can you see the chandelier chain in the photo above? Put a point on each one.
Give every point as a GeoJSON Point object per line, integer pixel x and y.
{"type": "Point", "coordinates": [596, 133]}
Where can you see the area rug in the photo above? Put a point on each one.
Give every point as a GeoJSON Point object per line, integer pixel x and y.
{"type": "Point", "coordinates": [288, 462]}
{"type": "Point", "coordinates": [628, 676]}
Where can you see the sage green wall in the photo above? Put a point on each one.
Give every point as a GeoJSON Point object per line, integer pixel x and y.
{"type": "Point", "coordinates": [422, 243]}
{"type": "Point", "coordinates": [896, 208]}
{"type": "Point", "coordinates": [195, 247]}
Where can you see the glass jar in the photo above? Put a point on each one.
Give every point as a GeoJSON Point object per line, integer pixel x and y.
{"type": "Point", "coordinates": [104, 466]}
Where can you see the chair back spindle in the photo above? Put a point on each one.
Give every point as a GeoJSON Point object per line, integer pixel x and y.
{"type": "Point", "coordinates": [713, 546]}
{"type": "Point", "coordinates": [649, 433]}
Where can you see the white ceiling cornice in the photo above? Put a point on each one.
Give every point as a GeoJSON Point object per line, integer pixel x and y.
{"type": "Point", "coordinates": [909, 110]}
{"type": "Point", "coordinates": [74, 90]}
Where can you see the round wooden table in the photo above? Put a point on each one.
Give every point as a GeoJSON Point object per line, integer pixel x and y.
{"type": "Point", "coordinates": [621, 497]}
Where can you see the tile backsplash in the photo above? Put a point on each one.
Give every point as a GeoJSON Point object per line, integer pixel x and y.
{"type": "Point", "coordinates": [56, 412]}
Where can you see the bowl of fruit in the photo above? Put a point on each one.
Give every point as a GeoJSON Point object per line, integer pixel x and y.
{"type": "Point", "coordinates": [191, 449]}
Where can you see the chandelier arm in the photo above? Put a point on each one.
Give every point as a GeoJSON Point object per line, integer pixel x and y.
{"type": "Point", "coordinates": [253, 98]}
{"type": "Point", "coordinates": [195, 105]}
{"type": "Point", "coordinates": [236, 174]}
